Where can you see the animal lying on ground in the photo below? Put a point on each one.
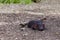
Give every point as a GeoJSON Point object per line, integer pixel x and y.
{"type": "Point", "coordinates": [35, 24]}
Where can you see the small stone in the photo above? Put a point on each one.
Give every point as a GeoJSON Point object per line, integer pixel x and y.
{"type": "Point", "coordinates": [22, 29]}
{"type": "Point", "coordinates": [57, 33]}
{"type": "Point", "coordinates": [16, 38]}
{"type": "Point", "coordinates": [25, 34]}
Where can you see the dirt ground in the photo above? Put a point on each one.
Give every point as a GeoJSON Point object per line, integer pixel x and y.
{"type": "Point", "coordinates": [10, 28]}
{"type": "Point", "coordinates": [12, 15]}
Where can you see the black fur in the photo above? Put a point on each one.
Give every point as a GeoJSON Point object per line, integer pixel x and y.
{"type": "Point", "coordinates": [35, 24]}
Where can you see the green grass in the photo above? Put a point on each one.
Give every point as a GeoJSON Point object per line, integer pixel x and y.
{"type": "Point", "coordinates": [15, 1]}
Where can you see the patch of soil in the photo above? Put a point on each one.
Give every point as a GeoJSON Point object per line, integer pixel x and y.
{"type": "Point", "coordinates": [11, 30]}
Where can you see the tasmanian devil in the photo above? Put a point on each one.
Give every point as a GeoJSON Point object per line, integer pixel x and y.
{"type": "Point", "coordinates": [35, 24]}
